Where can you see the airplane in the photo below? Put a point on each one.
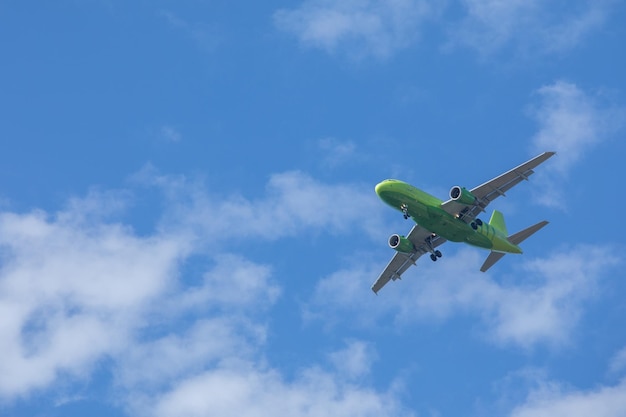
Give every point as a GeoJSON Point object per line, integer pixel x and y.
{"type": "Point", "coordinates": [454, 220]}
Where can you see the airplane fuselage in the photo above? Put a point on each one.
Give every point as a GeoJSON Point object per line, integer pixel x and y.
{"type": "Point", "coordinates": [426, 211]}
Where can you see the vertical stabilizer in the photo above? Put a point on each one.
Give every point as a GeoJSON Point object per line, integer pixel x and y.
{"type": "Point", "coordinates": [497, 221]}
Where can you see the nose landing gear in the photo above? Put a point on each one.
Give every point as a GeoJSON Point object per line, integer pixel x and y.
{"type": "Point", "coordinates": [405, 211]}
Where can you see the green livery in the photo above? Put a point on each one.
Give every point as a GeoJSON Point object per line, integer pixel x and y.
{"type": "Point", "coordinates": [497, 221]}
{"type": "Point", "coordinates": [427, 211]}
{"type": "Point", "coordinates": [454, 220]}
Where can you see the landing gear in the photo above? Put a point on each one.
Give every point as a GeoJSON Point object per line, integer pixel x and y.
{"type": "Point", "coordinates": [405, 211]}
{"type": "Point", "coordinates": [434, 254]}
{"type": "Point", "coordinates": [476, 224]}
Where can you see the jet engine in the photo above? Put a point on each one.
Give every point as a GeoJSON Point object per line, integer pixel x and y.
{"type": "Point", "coordinates": [462, 195]}
{"type": "Point", "coordinates": [401, 244]}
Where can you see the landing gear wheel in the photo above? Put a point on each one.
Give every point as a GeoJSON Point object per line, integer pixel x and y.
{"type": "Point", "coordinates": [479, 222]}
{"type": "Point", "coordinates": [405, 211]}
{"type": "Point", "coordinates": [438, 254]}
{"type": "Point", "coordinates": [433, 257]}
{"type": "Point", "coordinates": [474, 225]}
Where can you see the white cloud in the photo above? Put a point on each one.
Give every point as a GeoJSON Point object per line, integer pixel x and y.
{"type": "Point", "coordinates": [77, 287]}
{"type": "Point", "coordinates": [530, 26]}
{"type": "Point", "coordinates": [294, 202]}
{"type": "Point", "coordinates": [604, 401]}
{"type": "Point", "coordinates": [491, 23]}
{"type": "Point", "coordinates": [571, 122]}
{"type": "Point", "coordinates": [205, 36]}
{"type": "Point", "coordinates": [362, 27]}
{"type": "Point", "coordinates": [247, 391]}
{"type": "Point", "coordinates": [170, 134]}
{"type": "Point", "coordinates": [337, 152]}
{"type": "Point", "coordinates": [618, 363]}
{"type": "Point", "coordinates": [216, 367]}
{"type": "Point", "coordinates": [380, 28]}
{"type": "Point", "coordinates": [95, 207]}
{"type": "Point", "coordinates": [355, 360]}
{"type": "Point", "coordinates": [70, 294]}
{"type": "Point", "coordinates": [572, 31]}
{"type": "Point", "coordinates": [228, 309]}
{"type": "Point", "coordinates": [247, 283]}
{"type": "Point", "coordinates": [156, 364]}
{"type": "Point", "coordinates": [541, 307]}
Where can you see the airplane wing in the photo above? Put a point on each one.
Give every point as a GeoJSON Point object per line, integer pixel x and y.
{"type": "Point", "coordinates": [402, 261]}
{"type": "Point", "coordinates": [494, 188]}
{"type": "Point", "coordinates": [484, 194]}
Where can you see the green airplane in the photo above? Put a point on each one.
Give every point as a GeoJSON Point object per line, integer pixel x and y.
{"type": "Point", "coordinates": [454, 220]}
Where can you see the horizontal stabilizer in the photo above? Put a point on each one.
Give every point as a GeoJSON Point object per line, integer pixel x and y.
{"type": "Point", "coordinates": [491, 259]}
{"type": "Point", "coordinates": [515, 239]}
{"type": "Point", "coordinates": [519, 237]}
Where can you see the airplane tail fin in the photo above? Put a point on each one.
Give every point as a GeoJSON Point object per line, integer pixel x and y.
{"type": "Point", "coordinates": [516, 239]}
{"type": "Point", "coordinates": [497, 221]}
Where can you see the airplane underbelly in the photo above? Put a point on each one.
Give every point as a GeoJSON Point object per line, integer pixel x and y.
{"type": "Point", "coordinates": [446, 226]}
{"type": "Point", "coordinates": [477, 239]}
{"type": "Point", "coordinates": [452, 229]}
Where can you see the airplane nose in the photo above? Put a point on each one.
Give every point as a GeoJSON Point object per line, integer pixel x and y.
{"type": "Point", "coordinates": [381, 187]}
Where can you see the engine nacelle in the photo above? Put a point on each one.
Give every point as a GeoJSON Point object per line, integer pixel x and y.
{"type": "Point", "coordinates": [401, 244]}
{"type": "Point", "coordinates": [462, 195]}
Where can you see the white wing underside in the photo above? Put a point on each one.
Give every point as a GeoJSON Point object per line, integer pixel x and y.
{"type": "Point", "coordinates": [484, 193]}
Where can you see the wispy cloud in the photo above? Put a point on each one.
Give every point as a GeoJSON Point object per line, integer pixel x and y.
{"type": "Point", "coordinates": [72, 292]}
{"type": "Point", "coordinates": [204, 35]}
{"type": "Point", "coordinates": [76, 291]}
{"type": "Point", "coordinates": [77, 287]}
{"type": "Point", "coordinates": [359, 27]}
{"type": "Point", "coordinates": [336, 152]}
{"type": "Point", "coordinates": [543, 308]}
{"type": "Point", "coordinates": [529, 27]}
{"type": "Point", "coordinates": [618, 363]}
{"type": "Point", "coordinates": [558, 401]}
{"type": "Point", "coordinates": [377, 28]}
{"type": "Point", "coordinates": [147, 367]}
{"type": "Point", "coordinates": [294, 201]}
{"type": "Point", "coordinates": [355, 361]}
{"type": "Point", "coordinates": [571, 122]}
{"type": "Point", "coordinates": [249, 391]}
{"type": "Point", "coordinates": [170, 133]}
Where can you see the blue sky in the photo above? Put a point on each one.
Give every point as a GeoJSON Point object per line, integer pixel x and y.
{"type": "Point", "coordinates": [188, 223]}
